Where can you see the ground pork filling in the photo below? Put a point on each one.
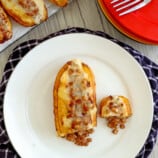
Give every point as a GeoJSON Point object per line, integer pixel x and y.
{"type": "Point", "coordinates": [116, 123]}
{"type": "Point", "coordinates": [29, 6]}
{"type": "Point", "coordinates": [81, 104]}
{"type": "Point", "coordinates": [80, 138]}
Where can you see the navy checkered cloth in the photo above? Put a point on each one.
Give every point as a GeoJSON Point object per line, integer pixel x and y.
{"type": "Point", "coordinates": [150, 68]}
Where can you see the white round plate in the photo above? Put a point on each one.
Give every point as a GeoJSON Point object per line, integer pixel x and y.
{"type": "Point", "coordinates": [28, 102]}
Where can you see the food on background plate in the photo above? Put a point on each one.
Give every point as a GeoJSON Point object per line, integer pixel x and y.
{"type": "Point", "coordinates": [60, 3]}
{"type": "Point", "coordinates": [75, 108]}
{"type": "Point", "coordinates": [116, 110]}
{"type": "Point", "coordinates": [5, 26]}
{"type": "Point", "coordinates": [26, 12]}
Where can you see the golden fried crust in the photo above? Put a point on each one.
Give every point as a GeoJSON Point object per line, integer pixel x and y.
{"type": "Point", "coordinates": [65, 110]}
{"type": "Point", "coordinates": [115, 106]}
{"type": "Point", "coordinates": [56, 99]}
{"type": "Point", "coordinates": [5, 26]}
{"type": "Point", "coordinates": [26, 12]}
{"type": "Point", "coordinates": [60, 3]}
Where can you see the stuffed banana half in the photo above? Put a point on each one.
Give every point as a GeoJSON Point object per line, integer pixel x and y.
{"type": "Point", "coordinates": [5, 26]}
{"type": "Point", "coordinates": [75, 102]}
{"type": "Point", "coordinates": [26, 12]}
{"type": "Point", "coordinates": [116, 109]}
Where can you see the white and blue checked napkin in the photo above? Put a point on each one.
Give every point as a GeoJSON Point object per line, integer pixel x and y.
{"type": "Point", "coordinates": [150, 68]}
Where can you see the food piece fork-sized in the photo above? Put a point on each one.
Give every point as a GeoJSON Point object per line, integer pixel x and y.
{"type": "Point", "coordinates": [127, 6]}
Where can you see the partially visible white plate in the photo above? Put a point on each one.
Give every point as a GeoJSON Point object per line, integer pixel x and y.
{"type": "Point", "coordinates": [28, 103]}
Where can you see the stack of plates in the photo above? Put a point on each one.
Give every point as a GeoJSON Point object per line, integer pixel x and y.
{"type": "Point", "coordinates": [140, 25]}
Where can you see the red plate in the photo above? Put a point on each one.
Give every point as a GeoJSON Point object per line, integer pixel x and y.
{"type": "Point", "coordinates": [140, 25]}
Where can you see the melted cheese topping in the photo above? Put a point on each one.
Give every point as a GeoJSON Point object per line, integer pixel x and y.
{"type": "Point", "coordinates": [77, 93]}
{"type": "Point", "coordinates": [30, 7]}
{"type": "Point", "coordinates": [115, 106]}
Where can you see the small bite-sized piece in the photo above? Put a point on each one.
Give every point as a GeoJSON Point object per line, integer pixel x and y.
{"type": "Point", "coordinates": [26, 12]}
{"type": "Point", "coordinates": [60, 3]}
{"type": "Point", "coordinates": [5, 26]}
{"type": "Point", "coordinates": [75, 108]}
{"type": "Point", "coordinates": [116, 110]}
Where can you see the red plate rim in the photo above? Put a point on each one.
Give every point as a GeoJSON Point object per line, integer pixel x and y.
{"type": "Point", "coordinates": [122, 29]}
